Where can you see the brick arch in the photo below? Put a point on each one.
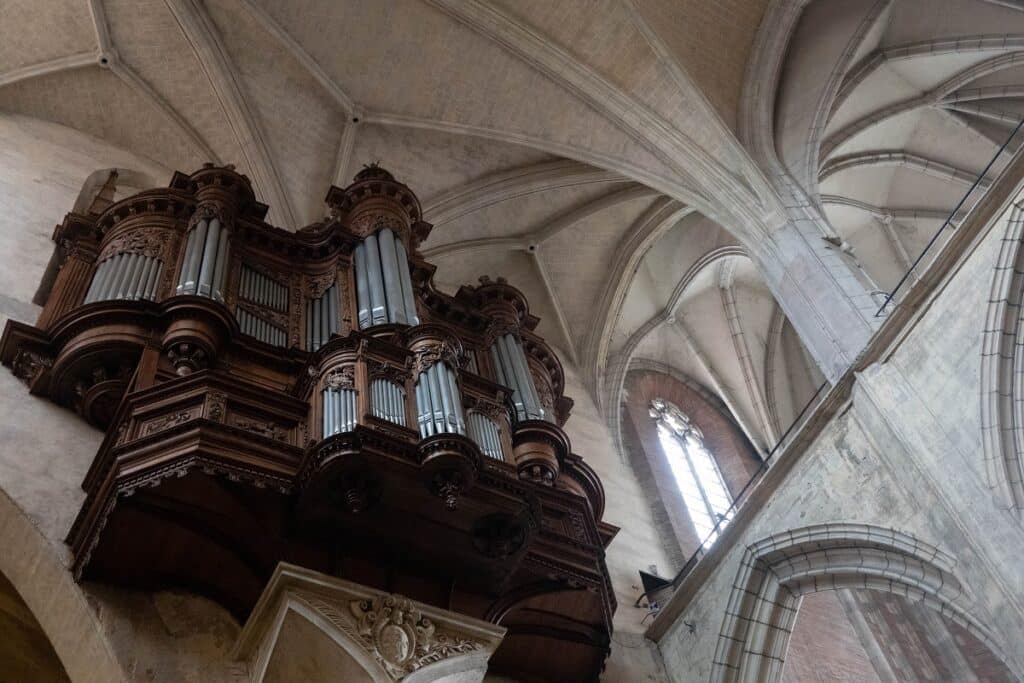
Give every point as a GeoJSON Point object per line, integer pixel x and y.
{"type": "Point", "coordinates": [777, 571]}
{"type": "Point", "coordinates": [736, 457]}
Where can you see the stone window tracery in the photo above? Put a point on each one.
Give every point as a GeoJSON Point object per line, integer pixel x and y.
{"type": "Point", "coordinates": [696, 473]}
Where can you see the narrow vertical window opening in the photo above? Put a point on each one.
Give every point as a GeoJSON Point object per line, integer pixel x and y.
{"type": "Point", "coordinates": [696, 473]}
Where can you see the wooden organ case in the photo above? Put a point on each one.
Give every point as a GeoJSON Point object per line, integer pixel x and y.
{"type": "Point", "coordinates": [310, 397]}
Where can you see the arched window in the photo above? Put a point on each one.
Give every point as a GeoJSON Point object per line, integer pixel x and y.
{"type": "Point", "coordinates": [696, 472]}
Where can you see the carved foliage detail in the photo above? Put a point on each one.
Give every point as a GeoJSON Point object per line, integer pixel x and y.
{"type": "Point", "coordinates": [265, 428]}
{"type": "Point", "coordinates": [402, 639]}
{"type": "Point", "coordinates": [316, 285]}
{"type": "Point", "coordinates": [427, 356]}
{"type": "Point", "coordinates": [163, 422]}
{"type": "Point", "coordinates": [216, 406]}
{"type": "Point", "coordinates": [370, 223]}
{"type": "Point", "coordinates": [341, 378]}
{"type": "Point", "coordinates": [146, 241]}
{"type": "Point", "coordinates": [489, 409]}
{"type": "Point", "coordinates": [544, 393]}
{"type": "Point", "coordinates": [393, 630]}
{"type": "Point", "coordinates": [380, 370]}
{"type": "Point", "coordinates": [28, 365]}
{"type": "Point", "coordinates": [209, 210]}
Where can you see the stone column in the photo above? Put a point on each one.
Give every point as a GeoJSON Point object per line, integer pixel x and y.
{"type": "Point", "coordinates": [311, 627]}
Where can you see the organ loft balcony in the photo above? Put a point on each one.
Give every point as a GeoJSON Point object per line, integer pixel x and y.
{"type": "Point", "coordinates": [312, 398]}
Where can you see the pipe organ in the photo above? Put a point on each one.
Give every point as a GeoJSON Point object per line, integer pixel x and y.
{"type": "Point", "coordinates": [312, 396]}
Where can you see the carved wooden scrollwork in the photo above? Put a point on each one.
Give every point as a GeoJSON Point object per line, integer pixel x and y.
{"type": "Point", "coordinates": [265, 428]}
{"type": "Point", "coordinates": [164, 422]}
{"type": "Point", "coordinates": [150, 242]}
{"type": "Point", "coordinates": [316, 285]}
{"type": "Point", "coordinates": [498, 328]}
{"type": "Point", "coordinates": [489, 409]}
{"type": "Point", "coordinates": [428, 355]}
{"type": "Point", "coordinates": [341, 378]}
{"type": "Point", "coordinates": [216, 406]}
{"type": "Point", "coordinates": [544, 393]}
{"type": "Point", "coordinates": [379, 370]}
{"type": "Point", "coordinates": [28, 365]}
{"type": "Point", "coordinates": [369, 223]}
{"type": "Point", "coordinates": [209, 210]}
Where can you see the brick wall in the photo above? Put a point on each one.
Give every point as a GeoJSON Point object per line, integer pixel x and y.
{"type": "Point", "coordinates": [824, 645]}
{"type": "Point", "coordinates": [736, 458]}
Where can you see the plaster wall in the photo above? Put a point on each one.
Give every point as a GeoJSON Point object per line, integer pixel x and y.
{"type": "Point", "coordinates": [904, 453]}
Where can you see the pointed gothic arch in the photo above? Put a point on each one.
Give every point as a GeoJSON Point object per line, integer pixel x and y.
{"type": "Point", "coordinates": [777, 571]}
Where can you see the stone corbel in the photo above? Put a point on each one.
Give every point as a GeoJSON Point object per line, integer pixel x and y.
{"type": "Point", "coordinates": [319, 627]}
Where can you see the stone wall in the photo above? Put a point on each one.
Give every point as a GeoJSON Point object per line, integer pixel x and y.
{"type": "Point", "coordinates": [904, 454]}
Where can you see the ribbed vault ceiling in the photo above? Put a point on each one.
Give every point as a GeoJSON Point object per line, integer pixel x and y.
{"type": "Point", "coordinates": [889, 111]}
{"type": "Point", "coordinates": [585, 150]}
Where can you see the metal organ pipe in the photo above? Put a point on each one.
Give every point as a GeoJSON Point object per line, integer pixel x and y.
{"type": "Point", "coordinates": [375, 278]}
{"type": "Point", "coordinates": [390, 269]}
{"type": "Point", "coordinates": [383, 285]}
{"type": "Point", "coordinates": [322, 318]}
{"type": "Point", "coordinates": [204, 267]}
{"type": "Point", "coordinates": [220, 273]}
{"type": "Point", "coordinates": [209, 265]}
{"type": "Point", "coordinates": [125, 276]}
{"type": "Point", "coordinates": [513, 371]}
{"type": "Point", "coordinates": [339, 406]}
{"type": "Point", "coordinates": [362, 287]}
{"type": "Point", "coordinates": [408, 300]}
{"type": "Point", "coordinates": [193, 258]}
{"type": "Point", "coordinates": [485, 434]}
{"type": "Point", "coordinates": [388, 401]}
{"type": "Point", "coordinates": [438, 403]}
